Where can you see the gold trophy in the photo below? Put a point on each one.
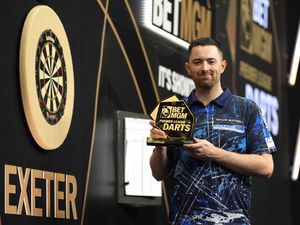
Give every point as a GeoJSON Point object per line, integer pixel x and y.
{"type": "Point", "coordinates": [174, 117]}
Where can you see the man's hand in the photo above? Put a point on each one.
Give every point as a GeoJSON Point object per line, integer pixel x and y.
{"type": "Point", "coordinates": [155, 132]}
{"type": "Point", "coordinates": [159, 158]}
{"type": "Point", "coordinates": [201, 149]}
{"type": "Point", "coordinates": [249, 164]}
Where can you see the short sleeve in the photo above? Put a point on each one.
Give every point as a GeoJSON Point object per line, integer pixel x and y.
{"type": "Point", "coordinates": [259, 138]}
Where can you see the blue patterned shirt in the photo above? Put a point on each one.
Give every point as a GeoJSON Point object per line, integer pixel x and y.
{"type": "Point", "coordinates": [204, 192]}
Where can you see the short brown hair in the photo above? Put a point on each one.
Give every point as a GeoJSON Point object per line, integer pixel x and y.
{"type": "Point", "coordinates": [204, 42]}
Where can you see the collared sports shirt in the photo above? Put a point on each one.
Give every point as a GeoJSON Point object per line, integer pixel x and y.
{"type": "Point", "coordinates": [204, 192]}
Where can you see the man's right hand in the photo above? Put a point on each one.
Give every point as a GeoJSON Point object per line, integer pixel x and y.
{"type": "Point", "coordinates": [155, 132]}
{"type": "Point", "coordinates": [159, 158]}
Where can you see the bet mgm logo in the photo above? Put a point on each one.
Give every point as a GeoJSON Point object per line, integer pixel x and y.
{"type": "Point", "coordinates": [173, 112]}
{"type": "Point", "coordinates": [166, 111]}
{"type": "Point", "coordinates": [46, 77]}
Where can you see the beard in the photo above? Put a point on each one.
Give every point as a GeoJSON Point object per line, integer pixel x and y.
{"type": "Point", "coordinates": [205, 80]}
{"type": "Point", "coordinates": [205, 86]}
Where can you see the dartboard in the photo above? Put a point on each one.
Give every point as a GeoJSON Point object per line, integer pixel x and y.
{"type": "Point", "coordinates": [51, 79]}
{"type": "Point", "coordinates": [46, 77]}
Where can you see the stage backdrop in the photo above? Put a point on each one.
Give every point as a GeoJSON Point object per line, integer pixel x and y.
{"type": "Point", "coordinates": [126, 55]}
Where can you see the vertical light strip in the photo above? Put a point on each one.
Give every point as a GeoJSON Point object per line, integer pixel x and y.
{"type": "Point", "coordinates": [295, 59]}
{"type": "Point", "coordinates": [296, 165]}
{"type": "Point", "coordinates": [292, 82]}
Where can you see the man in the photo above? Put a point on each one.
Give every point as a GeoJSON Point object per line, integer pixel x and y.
{"type": "Point", "coordinates": [209, 180]}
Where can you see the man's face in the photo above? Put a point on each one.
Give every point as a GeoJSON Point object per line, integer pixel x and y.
{"type": "Point", "coordinates": [205, 66]}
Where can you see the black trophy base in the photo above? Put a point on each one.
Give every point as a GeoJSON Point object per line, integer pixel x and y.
{"type": "Point", "coordinates": [168, 141]}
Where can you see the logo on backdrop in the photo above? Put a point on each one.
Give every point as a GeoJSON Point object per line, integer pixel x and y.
{"type": "Point", "coordinates": [180, 21]}
{"type": "Point", "coordinates": [46, 76]}
{"type": "Point", "coordinates": [258, 67]}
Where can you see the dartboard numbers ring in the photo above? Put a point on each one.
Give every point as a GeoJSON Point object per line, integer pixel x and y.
{"type": "Point", "coordinates": [46, 77]}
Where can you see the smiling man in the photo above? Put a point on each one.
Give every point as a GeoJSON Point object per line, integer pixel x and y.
{"type": "Point", "coordinates": [210, 180]}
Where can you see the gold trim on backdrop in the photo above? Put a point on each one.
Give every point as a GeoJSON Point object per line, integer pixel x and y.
{"type": "Point", "coordinates": [112, 26]}
{"type": "Point", "coordinates": [277, 52]}
{"type": "Point", "coordinates": [208, 3]}
{"type": "Point", "coordinates": [231, 27]}
{"type": "Point", "coordinates": [144, 50]}
{"type": "Point", "coordinates": [108, 19]}
{"type": "Point", "coordinates": [165, 197]}
{"type": "Point", "coordinates": [95, 116]}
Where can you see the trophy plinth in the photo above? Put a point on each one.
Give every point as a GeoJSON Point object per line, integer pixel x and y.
{"type": "Point", "coordinates": [168, 141]}
{"type": "Point", "coordinates": [174, 117]}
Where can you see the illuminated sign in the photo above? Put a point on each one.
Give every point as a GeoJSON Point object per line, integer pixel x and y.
{"type": "Point", "coordinates": [269, 106]}
{"type": "Point", "coordinates": [181, 21]}
{"type": "Point", "coordinates": [175, 82]}
{"type": "Point", "coordinates": [256, 68]}
{"type": "Point", "coordinates": [261, 12]}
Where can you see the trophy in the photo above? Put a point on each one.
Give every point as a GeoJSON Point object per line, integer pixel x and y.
{"type": "Point", "coordinates": [174, 117]}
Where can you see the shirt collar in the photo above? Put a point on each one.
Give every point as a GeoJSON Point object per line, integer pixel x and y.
{"type": "Point", "coordinates": [222, 100]}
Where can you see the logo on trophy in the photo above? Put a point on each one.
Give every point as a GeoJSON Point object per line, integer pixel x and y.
{"type": "Point", "coordinates": [174, 117]}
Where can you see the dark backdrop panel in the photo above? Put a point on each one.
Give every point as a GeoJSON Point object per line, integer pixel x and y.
{"type": "Point", "coordinates": [18, 146]}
